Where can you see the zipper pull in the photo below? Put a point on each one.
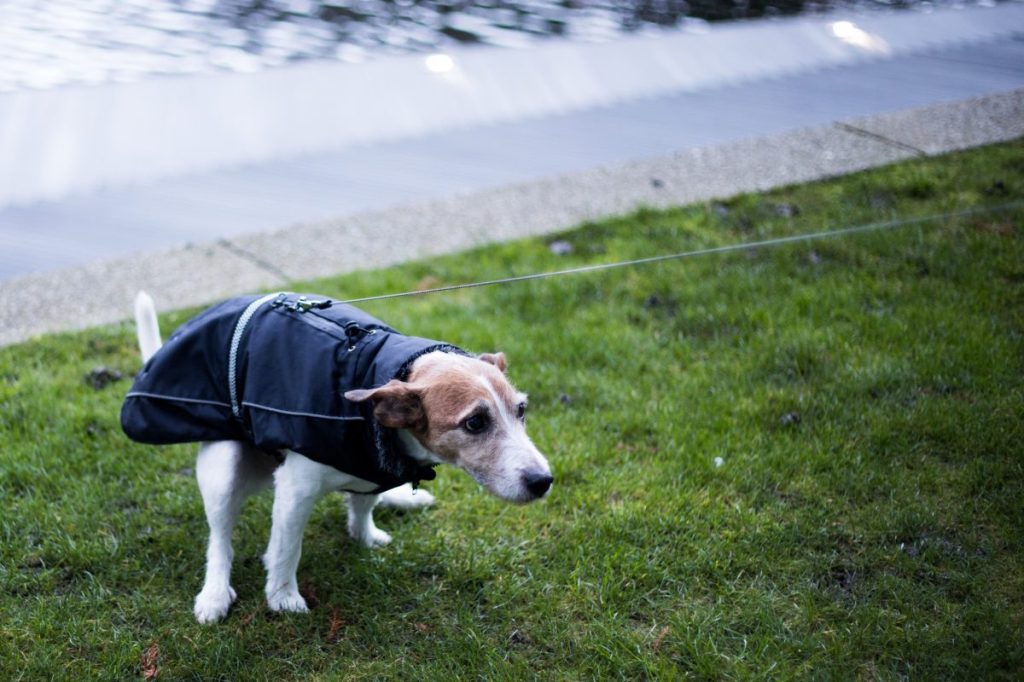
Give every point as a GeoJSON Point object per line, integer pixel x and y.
{"type": "Point", "coordinates": [304, 304]}
{"type": "Point", "coordinates": [301, 304]}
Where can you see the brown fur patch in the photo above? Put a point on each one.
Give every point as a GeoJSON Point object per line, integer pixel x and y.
{"type": "Point", "coordinates": [396, 405]}
{"type": "Point", "coordinates": [450, 387]}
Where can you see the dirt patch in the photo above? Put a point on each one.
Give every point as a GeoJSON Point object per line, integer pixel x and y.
{"type": "Point", "coordinates": [1004, 227]}
{"type": "Point", "coordinates": [790, 420]}
{"type": "Point", "coordinates": [518, 638]}
{"type": "Point", "coordinates": [101, 377]}
{"type": "Point", "coordinates": [840, 579]}
{"type": "Point", "coordinates": [915, 547]}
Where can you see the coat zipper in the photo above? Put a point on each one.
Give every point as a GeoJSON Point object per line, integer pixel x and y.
{"type": "Point", "coordinates": [236, 340]}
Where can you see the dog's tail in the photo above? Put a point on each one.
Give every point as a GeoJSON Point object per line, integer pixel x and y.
{"type": "Point", "coordinates": [147, 326]}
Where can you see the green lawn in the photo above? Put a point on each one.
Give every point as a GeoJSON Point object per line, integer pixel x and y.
{"type": "Point", "coordinates": [864, 394]}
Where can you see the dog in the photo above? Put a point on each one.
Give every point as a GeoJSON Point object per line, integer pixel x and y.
{"type": "Point", "coordinates": [269, 414]}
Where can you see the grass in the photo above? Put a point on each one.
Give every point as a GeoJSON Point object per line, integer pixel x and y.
{"type": "Point", "coordinates": [864, 395]}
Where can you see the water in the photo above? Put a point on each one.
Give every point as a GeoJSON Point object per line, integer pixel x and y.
{"type": "Point", "coordinates": [61, 42]}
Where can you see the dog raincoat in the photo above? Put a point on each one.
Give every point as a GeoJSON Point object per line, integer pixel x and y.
{"type": "Point", "coordinates": [272, 371]}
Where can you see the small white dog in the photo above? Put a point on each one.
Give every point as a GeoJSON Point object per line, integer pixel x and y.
{"type": "Point", "coordinates": [442, 407]}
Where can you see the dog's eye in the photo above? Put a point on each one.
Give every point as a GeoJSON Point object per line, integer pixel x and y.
{"type": "Point", "coordinates": [476, 424]}
{"type": "Point", "coordinates": [521, 411]}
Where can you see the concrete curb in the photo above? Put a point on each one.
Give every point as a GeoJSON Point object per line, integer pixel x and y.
{"type": "Point", "coordinates": [101, 293]}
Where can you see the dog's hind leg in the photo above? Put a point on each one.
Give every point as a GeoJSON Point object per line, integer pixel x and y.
{"type": "Point", "coordinates": [406, 497]}
{"type": "Point", "coordinates": [227, 473]}
{"type": "Point", "coordinates": [360, 511]}
{"type": "Point", "coordinates": [298, 484]}
{"type": "Point", "coordinates": [360, 521]}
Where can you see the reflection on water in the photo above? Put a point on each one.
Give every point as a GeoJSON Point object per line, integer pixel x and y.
{"type": "Point", "coordinates": [58, 42]}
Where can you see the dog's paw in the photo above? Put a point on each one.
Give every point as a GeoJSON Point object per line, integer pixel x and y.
{"type": "Point", "coordinates": [287, 600]}
{"type": "Point", "coordinates": [406, 497]}
{"type": "Point", "coordinates": [376, 538]}
{"type": "Point", "coordinates": [371, 537]}
{"type": "Point", "coordinates": [212, 603]}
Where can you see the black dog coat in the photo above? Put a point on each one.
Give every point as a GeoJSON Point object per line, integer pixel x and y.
{"type": "Point", "coordinates": [272, 372]}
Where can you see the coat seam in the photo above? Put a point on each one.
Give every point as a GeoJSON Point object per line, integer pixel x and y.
{"type": "Point", "coordinates": [300, 414]}
{"type": "Point", "coordinates": [175, 398]}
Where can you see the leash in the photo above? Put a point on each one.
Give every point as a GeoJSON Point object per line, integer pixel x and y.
{"type": "Point", "coordinates": [743, 246]}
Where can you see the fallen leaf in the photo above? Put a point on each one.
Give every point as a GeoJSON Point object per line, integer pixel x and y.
{"type": "Point", "coordinates": [660, 639]}
{"type": "Point", "coordinates": [307, 591]}
{"type": "Point", "coordinates": [149, 656]}
{"type": "Point", "coordinates": [1004, 228]}
{"type": "Point", "coordinates": [336, 624]}
{"type": "Point", "coordinates": [428, 282]}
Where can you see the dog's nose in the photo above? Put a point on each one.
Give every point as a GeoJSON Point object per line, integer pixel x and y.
{"type": "Point", "coordinates": [538, 482]}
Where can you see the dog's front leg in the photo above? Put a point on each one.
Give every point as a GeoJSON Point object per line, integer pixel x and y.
{"type": "Point", "coordinates": [298, 484]}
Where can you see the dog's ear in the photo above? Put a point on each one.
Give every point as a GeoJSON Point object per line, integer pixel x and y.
{"type": "Point", "coordinates": [496, 359]}
{"type": "Point", "coordinates": [396, 404]}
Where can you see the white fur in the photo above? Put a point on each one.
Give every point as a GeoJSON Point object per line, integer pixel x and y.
{"type": "Point", "coordinates": [147, 326]}
{"type": "Point", "coordinates": [519, 453]}
{"type": "Point", "coordinates": [298, 484]}
{"type": "Point", "coordinates": [227, 474]}
{"type": "Point", "coordinates": [406, 497]}
{"type": "Point", "coordinates": [229, 471]}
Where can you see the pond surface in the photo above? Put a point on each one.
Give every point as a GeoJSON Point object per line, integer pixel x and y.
{"type": "Point", "coordinates": [59, 42]}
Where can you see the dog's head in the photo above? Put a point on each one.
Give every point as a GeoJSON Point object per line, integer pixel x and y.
{"type": "Point", "coordinates": [466, 412]}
